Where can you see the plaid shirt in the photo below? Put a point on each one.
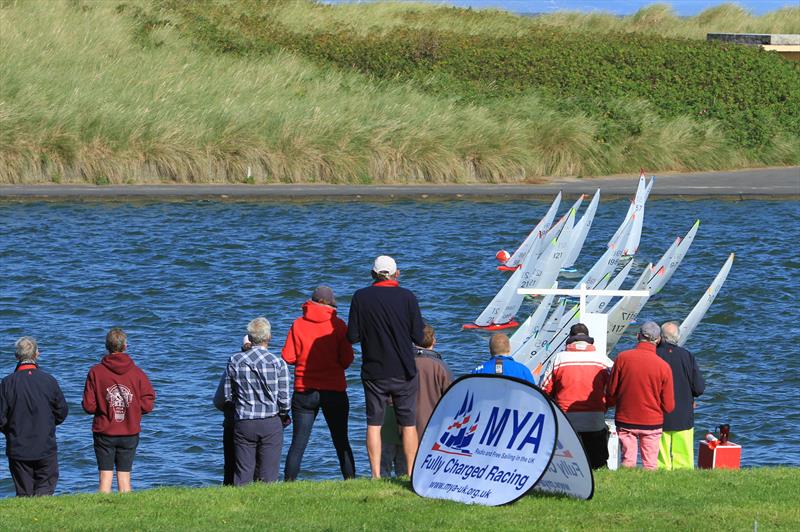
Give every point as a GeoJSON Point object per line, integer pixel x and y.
{"type": "Point", "coordinates": [257, 383]}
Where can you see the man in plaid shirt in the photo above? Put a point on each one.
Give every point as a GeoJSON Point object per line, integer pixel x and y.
{"type": "Point", "coordinates": [257, 383]}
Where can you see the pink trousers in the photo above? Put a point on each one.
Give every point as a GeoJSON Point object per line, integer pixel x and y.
{"type": "Point", "coordinates": [630, 439]}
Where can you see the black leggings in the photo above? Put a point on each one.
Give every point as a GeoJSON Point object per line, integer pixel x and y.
{"type": "Point", "coordinates": [336, 409]}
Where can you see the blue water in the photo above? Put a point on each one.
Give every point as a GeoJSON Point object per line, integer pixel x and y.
{"type": "Point", "coordinates": [618, 7]}
{"type": "Point", "coordinates": [184, 278]}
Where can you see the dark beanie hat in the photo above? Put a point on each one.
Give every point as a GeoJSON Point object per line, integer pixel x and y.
{"type": "Point", "coordinates": [579, 333]}
{"type": "Point", "coordinates": [324, 294]}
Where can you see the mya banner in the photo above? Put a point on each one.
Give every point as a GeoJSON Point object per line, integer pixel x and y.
{"type": "Point", "coordinates": [489, 441]}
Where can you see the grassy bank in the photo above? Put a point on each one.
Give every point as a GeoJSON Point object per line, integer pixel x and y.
{"type": "Point", "coordinates": [693, 500]}
{"type": "Point", "coordinates": [291, 91]}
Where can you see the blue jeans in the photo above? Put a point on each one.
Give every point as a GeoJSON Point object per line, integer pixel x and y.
{"type": "Point", "coordinates": [336, 409]}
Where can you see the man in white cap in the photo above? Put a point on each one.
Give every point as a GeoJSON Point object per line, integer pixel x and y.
{"type": "Point", "coordinates": [386, 320]}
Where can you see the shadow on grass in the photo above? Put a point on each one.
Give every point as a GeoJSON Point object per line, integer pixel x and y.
{"type": "Point", "coordinates": [401, 482]}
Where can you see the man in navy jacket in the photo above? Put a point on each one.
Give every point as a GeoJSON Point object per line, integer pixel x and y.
{"type": "Point", "coordinates": [676, 449]}
{"type": "Point", "coordinates": [386, 319]}
{"type": "Point", "coordinates": [31, 405]}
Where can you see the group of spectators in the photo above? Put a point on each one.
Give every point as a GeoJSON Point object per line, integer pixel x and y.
{"type": "Point", "coordinates": [117, 393]}
{"type": "Point", "coordinates": [403, 378]}
{"type": "Point", "coordinates": [651, 386]}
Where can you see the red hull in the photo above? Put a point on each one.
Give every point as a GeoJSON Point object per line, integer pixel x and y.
{"type": "Point", "coordinates": [504, 268]}
{"type": "Point", "coordinates": [493, 327]}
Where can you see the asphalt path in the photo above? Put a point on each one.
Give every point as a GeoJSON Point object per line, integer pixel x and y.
{"type": "Point", "coordinates": [740, 184]}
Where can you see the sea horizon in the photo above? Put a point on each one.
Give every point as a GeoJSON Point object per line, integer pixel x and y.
{"type": "Point", "coordinates": [684, 8]}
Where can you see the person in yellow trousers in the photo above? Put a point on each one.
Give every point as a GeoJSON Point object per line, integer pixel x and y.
{"type": "Point", "coordinates": [676, 449]}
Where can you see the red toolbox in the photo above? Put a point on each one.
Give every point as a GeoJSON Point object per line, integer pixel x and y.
{"type": "Point", "coordinates": [723, 456]}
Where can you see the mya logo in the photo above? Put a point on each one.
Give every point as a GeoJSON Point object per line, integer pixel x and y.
{"type": "Point", "coordinates": [459, 434]}
{"type": "Point", "coordinates": [562, 451]}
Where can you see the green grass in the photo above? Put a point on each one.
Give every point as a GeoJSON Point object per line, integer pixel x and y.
{"type": "Point", "coordinates": [215, 91]}
{"type": "Point", "coordinates": [624, 500]}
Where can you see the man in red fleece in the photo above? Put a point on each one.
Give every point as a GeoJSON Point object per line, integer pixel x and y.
{"type": "Point", "coordinates": [318, 348]}
{"type": "Point", "coordinates": [117, 393]}
{"type": "Point", "coordinates": [641, 388]}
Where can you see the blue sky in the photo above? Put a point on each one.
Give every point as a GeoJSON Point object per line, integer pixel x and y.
{"type": "Point", "coordinates": [619, 7]}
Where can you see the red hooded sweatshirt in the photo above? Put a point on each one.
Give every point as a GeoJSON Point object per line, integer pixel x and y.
{"type": "Point", "coordinates": [317, 345]}
{"type": "Point", "coordinates": [117, 392]}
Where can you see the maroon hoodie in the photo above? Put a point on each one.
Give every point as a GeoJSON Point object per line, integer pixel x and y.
{"type": "Point", "coordinates": [117, 392]}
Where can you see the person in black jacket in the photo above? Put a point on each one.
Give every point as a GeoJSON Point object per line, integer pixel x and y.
{"type": "Point", "coordinates": [386, 319]}
{"type": "Point", "coordinates": [31, 405]}
{"type": "Point", "coordinates": [676, 449]}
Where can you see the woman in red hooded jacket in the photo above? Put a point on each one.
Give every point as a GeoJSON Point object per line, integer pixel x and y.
{"type": "Point", "coordinates": [318, 348]}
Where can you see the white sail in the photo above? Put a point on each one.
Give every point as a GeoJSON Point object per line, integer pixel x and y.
{"type": "Point", "coordinates": [500, 301]}
{"type": "Point", "coordinates": [659, 271]}
{"type": "Point", "coordinates": [632, 245]}
{"type": "Point", "coordinates": [529, 350]}
{"type": "Point", "coordinates": [675, 261]}
{"type": "Point", "coordinates": [625, 311]}
{"type": "Point", "coordinates": [653, 278]}
{"type": "Point", "coordinates": [622, 225]}
{"type": "Point", "coordinates": [537, 233]}
{"type": "Point", "coordinates": [650, 186]}
{"type": "Point", "coordinates": [608, 262]}
{"type": "Point", "coordinates": [598, 303]}
{"type": "Point", "coordinates": [581, 230]}
{"type": "Point", "coordinates": [690, 323]}
{"type": "Point", "coordinates": [669, 262]}
{"type": "Point", "coordinates": [558, 340]}
{"type": "Point", "coordinates": [507, 301]}
{"type": "Point", "coordinates": [531, 326]}
{"type": "Point", "coordinates": [540, 273]}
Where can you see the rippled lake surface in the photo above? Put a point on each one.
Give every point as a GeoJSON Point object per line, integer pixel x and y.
{"type": "Point", "coordinates": [184, 278]}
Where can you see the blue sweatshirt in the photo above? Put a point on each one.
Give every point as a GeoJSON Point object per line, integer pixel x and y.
{"type": "Point", "coordinates": [509, 368]}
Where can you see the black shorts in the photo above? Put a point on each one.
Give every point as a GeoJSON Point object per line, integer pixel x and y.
{"type": "Point", "coordinates": [115, 451]}
{"type": "Point", "coordinates": [404, 398]}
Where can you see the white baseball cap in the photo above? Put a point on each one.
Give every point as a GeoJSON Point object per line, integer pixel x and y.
{"type": "Point", "coordinates": [384, 264]}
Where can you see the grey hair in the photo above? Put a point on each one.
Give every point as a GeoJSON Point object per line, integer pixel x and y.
{"type": "Point", "coordinates": [26, 348]}
{"type": "Point", "coordinates": [383, 276]}
{"type": "Point", "coordinates": [260, 330]}
{"type": "Point", "coordinates": [671, 332]}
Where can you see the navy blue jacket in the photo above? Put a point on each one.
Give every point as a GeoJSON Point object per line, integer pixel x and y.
{"type": "Point", "coordinates": [387, 321]}
{"type": "Point", "coordinates": [687, 382]}
{"type": "Point", "coordinates": [31, 405]}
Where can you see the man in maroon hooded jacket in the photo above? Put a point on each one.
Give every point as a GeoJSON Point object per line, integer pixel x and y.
{"type": "Point", "coordinates": [117, 393]}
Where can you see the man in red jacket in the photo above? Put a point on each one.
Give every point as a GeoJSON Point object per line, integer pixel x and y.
{"type": "Point", "coordinates": [318, 348]}
{"type": "Point", "coordinates": [117, 393]}
{"type": "Point", "coordinates": [641, 388]}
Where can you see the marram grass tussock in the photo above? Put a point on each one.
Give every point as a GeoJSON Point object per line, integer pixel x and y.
{"type": "Point", "coordinates": [97, 92]}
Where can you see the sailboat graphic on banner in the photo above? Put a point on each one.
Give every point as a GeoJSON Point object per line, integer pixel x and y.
{"type": "Point", "coordinates": [459, 434]}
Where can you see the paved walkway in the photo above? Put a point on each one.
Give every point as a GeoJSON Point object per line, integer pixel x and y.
{"type": "Point", "coordinates": [761, 183]}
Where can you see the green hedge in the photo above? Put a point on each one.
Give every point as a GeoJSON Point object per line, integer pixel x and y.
{"type": "Point", "coordinates": [754, 94]}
